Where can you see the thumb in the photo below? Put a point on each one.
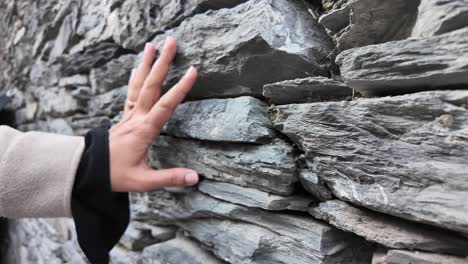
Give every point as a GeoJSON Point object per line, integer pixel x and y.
{"type": "Point", "coordinates": [177, 177]}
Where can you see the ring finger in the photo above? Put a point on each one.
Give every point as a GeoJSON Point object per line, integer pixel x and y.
{"type": "Point", "coordinates": [139, 76]}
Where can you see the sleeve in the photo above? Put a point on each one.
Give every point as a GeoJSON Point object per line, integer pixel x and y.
{"type": "Point", "coordinates": [101, 216]}
{"type": "Point", "coordinates": [37, 173]}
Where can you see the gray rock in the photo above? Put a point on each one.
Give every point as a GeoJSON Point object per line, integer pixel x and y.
{"type": "Point", "coordinates": [438, 16]}
{"type": "Point", "coordinates": [311, 182]}
{"type": "Point", "coordinates": [268, 168]}
{"type": "Point", "coordinates": [74, 81]}
{"type": "Point", "coordinates": [108, 104]}
{"type": "Point", "coordinates": [252, 235]}
{"type": "Point", "coordinates": [242, 119]}
{"type": "Point", "coordinates": [408, 257]}
{"type": "Point", "coordinates": [237, 242]}
{"type": "Point", "coordinates": [140, 235]}
{"type": "Point", "coordinates": [364, 22]}
{"type": "Point", "coordinates": [238, 50]}
{"type": "Point", "coordinates": [389, 231]}
{"type": "Point", "coordinates": [92, 57]}
{"type": "Point", "coordinates": [307, 90]}
{"type": "Point", "coordinates": [180, 250]}
{"type": "Point", "coordinates": [252, 197]}
{"type": "Point", "coordinates": [44, 241]}
{"type": "Point", "coordinates": [120, 255]}
{"type": "Point", "coordinates": [82, 123]}
{"type": "Point", "coordinates": [407, 65]}
{"type": "Point", "coordinates": [112, 75]}
{"type": "Point", "coordinates": [403, 155]}
{"type": "Point", "coordinates": [138, 21]}
{"type": "Point", "coordinates": [333, 4]}
{"type": "Point", "coordinates": [56, 102]}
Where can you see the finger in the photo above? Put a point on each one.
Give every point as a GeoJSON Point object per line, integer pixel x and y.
{"type": "Point", "coordinates": [152, 86]}
{"type": "Point", "coordinates": [165, 107]}
{"type": "Point", "coordinates": [141, 73]}
{"type": "Point", "coordinates": [178, 177]}
{"type": "Point", "coordinates": [130, 82]}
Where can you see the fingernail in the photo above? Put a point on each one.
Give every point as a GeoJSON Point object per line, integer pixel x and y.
{"type": "Point", "coordinates": [147, 47]}
{"type": "Point", "coordinates": [191, 178]}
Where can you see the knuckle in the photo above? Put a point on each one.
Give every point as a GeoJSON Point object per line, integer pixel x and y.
{"type": "Point", "coordinates": [165, 106]}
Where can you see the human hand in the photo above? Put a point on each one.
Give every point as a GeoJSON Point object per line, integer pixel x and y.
{"type": "Point", "coordinates": [142, 122]}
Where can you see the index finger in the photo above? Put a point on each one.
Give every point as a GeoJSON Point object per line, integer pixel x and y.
{"type": "Point", "coordinates": [162, 111]}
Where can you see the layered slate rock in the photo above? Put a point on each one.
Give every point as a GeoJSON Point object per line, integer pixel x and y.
{"type": "Point", "coordinates": [403, 155]}
{"type": "Point", "coordinates": [306, 90]}
{"type": "Point", "coordinates": [179, 250]}
{"type": "Point", "coordinates": [389, 231]}
{"type": "Point", "coordinates": [311, 182]}
{"type": "Point", "coordinates": [270, 168]}
{"type": "Point", "coordinates": [242, 119]}
{"type": "Point", "coordinates": [240, 234]}
{"type": "Point", "coordinates": [112, 75]}
{"type": "Point", "coordinates": [140, 235]}
{"type": "Point", "coordinates": [56, 102]}
{"type": "Point", "coordinates": [407, 65]}
{"type": "Point", "coordinates": [438, 16]}
{"type": "Point", "coordinates": [364, 22]}
{"type": "Point", "coordinates": [252, 197]}
{"type": "Point", "coordinates": [238, 50]}
{"type": "Point", "coordinates": [416, 257]}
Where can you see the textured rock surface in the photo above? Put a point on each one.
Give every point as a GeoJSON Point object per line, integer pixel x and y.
{"type": "Point", "coordinates": [251, 235]}
{"type": "Point", "coordinates": [306, 90]}
{"type": "Point", "coordinates": [403, 155]}
{"type": "Point", "coordinates": [64, 66]}
{"type": "Point", "coordinates": [408, 257]}
{"type": "Point", "coordinates": [364, 22]}
{"type": "Point", "coordinates": [178, 250]}
{"type": "Point", "coordinates": [242, 119]}
{"type": "Point", "coordinates": [140, 235]}
{"type": "Point", "coordinates": [407, 65]}
{"type": "Point", "coordinates": [239, 50]}
{"type": "Point", "coordinates": [311, 182]}
{"type": "Point", "coordinates": [269, 168]}
{"type": "Point", "coordinates": [438, 16]}
{"type": "Point", "coordinates": [252, 197]}
{"type": "Point", "coordinates": [388, 231]}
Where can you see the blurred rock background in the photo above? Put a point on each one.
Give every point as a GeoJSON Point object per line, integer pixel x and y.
{"type": "Point", "coordinates": [332, 131]}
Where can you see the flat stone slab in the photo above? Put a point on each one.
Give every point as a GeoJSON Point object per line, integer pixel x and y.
{"type": "Point", "coordinates": [242, 119]}
{"type": "Point", "coordinates": [240, 49]}
{"type": "Point", "coordinates": [364, 22]}
{"type": "Point", "coordinates": [311, 182]}
{"type": "Point", "coordinates": [253, 198]}
{"type": "Point", "coordinates": [387, 230]}
{"type": "Point", "coordinates": [436, 17]}
{"type": "Point", "coordinates": [179, 250]}
{"type": "Point", "coordinates": [240, 234]}
{"type": "Point", "coordinates": [140, 235]}
{"type": "Point", "coordinates": [306, 90]}
{"type": "Point", "coordinates": [269, 168]}
{"type": "Point", "coordinates": [407, 66]}
{"type": "Point", "coordinates": [409, 257]}
{"type": "Point", "coordinates": [404, 155]}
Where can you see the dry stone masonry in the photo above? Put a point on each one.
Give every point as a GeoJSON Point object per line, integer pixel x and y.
{"type": "Point", "coordinates": [325, 131]}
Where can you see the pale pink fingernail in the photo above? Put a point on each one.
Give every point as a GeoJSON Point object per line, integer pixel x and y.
{"type": "Point", "coordinates": [191, 178]}
{"type": "Point", "coordinates": [147, 47]}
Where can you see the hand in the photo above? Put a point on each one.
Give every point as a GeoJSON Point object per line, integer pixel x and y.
{"type": "Point", "coordinates": [142, 122]}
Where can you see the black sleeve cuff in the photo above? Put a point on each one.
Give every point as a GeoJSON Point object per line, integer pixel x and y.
{"type": "Point", "coordinates": [101, 216]}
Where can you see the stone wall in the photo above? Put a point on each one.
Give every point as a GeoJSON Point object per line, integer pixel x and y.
{"type": "Point", "coordinates": [325, 131]}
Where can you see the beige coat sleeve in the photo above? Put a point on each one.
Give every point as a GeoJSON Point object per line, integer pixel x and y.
{"type": "Point", "coordinates": [37, 172]}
